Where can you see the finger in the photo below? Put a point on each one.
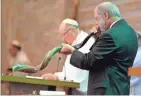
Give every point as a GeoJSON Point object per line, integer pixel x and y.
{"type": "Point", "coordinates": [46, 75]}
{"type": "Point", "coordinates": [63, 44]}
{"type": "Point", "coordinates": [43, 76]}
{"type": "Point", "coordinates": [49, 78]}
{"type": "Point", "coordinates": [94, 29]}
{"type": "Point", "coordinates": [62, 50]}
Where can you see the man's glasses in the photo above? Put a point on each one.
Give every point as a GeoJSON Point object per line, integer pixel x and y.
{"type": "Point", "coordinates": [66, 32]}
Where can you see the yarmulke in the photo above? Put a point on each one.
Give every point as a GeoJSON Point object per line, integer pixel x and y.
{"type": "Point", "coordinates": [70, 21]}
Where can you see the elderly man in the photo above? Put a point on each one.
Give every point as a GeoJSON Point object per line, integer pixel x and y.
{"type": "Point", "coordinates": [71, 34]}
{"type": "Point", "coordinates": [18, 57]}
{"type": "Point", "coordinates": [110, 56]}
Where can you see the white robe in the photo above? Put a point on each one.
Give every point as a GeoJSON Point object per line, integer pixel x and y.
{"type": "Point", "coordinates": [73, 73]}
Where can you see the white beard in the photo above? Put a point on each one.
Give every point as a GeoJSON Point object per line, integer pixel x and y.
{"type": "Point", "coordinates": [102, 24]}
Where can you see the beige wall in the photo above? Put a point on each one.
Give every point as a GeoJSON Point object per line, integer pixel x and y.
{"type": "Point", "coordinates": [34, 23]}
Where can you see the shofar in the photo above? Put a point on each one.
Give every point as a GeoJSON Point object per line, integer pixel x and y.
{"type": "Point", "coordinates": [30, 69]}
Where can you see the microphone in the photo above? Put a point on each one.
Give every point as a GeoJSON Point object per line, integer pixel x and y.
{"type": "Point", "coordinates": [58, 64]}
{"type": "Point", "coordinates": [64, 72]}
{"type": "Point", "coordinates": [64, 67]}
{"type": "Point", "coordinates": [57, 70]}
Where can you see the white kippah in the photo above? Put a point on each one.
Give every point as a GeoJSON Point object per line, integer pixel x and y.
{"type": "Point", "coordinates": [70, 21]}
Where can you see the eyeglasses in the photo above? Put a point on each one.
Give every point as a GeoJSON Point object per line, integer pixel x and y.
{"type": "Point", "coordinates": [66, 32]}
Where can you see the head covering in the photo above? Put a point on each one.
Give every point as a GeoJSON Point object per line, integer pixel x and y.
{"type": "Point", "coordinates": [16, 44]}
{"type": "Point", "coordinates": [71, 22]}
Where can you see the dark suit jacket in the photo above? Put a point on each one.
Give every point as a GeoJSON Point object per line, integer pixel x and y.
{"type": "Point", "coordinates": [108, 61]}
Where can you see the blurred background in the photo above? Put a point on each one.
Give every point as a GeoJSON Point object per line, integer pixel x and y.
{"type": "Point", "coordinates": [34, 24]}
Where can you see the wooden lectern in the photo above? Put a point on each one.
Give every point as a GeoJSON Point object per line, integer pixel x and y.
{"type": "Point", "coordinates": [26, 86]}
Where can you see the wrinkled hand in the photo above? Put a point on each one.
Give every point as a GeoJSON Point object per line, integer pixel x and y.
{"type": "Point", "coordinates": [49, 76]}
{"type": "Point", "coordinates": [96, 30]}
{"type": "Point", "coordinates": [67, 49]}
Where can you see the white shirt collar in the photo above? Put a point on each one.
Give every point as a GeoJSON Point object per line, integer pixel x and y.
{"type": "Point", "coordinates": [80, 37]}
{"type": "Point", "coordinates": [114, 23]}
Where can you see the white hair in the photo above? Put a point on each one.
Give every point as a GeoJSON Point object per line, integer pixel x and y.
{"type": "Point", "coordinates": [109, 7]}
{"type": "Point", "coordinates": [70, 22]}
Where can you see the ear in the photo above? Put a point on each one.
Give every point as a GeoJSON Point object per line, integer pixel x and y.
{"type": "Point", "coordinates": [106, 15]}
{"type": "Point", "coordinates": [73, 32]}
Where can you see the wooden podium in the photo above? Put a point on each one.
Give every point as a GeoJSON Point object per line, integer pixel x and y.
{"type": "Point", "coordinates": [26, 86]}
